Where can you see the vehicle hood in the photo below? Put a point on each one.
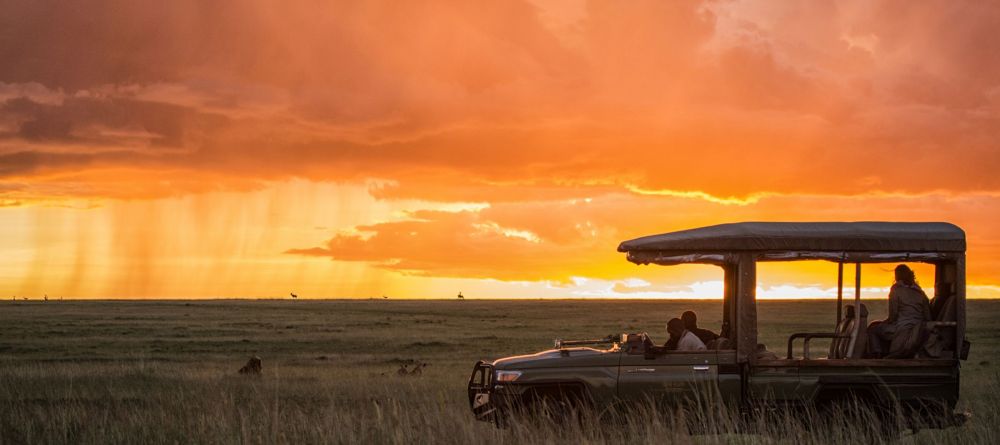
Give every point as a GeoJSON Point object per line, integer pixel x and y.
{"type": "Point", "coordinates": [558, 358]}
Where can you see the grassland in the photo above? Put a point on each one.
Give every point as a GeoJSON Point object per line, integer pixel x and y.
{"type": "Point", "coordinates": [165, 371]}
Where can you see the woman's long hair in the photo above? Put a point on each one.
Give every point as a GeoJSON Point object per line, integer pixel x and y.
{"type": "Point", "coordinates": [906, 277]}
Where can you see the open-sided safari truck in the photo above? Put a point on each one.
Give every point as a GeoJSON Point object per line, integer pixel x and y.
{"type": "Point", "coordinates": [922, 382]}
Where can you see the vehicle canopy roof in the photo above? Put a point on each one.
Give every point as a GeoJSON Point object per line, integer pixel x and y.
{"type": "Point", "coordinates": [791, 237]}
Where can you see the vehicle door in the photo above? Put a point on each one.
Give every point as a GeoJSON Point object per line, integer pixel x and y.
{"type": "Point", "coordinates": [670, 377]}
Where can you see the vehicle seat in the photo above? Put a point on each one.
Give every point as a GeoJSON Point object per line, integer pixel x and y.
{"type": "Point", "coordinates": [861, 341]}
{"type": "Point", "coordinates": [763, 354]}
{"type": "Point", "coordinates": [945, 315]}
{"type": "Point", "coordinates": [719, 344]}
{"type": "Point", "coordinates": [936, 344]}
{"type": "Point", "coordinates": [839, 347]}
{"type": "Point", "coordinates": [842, 338]}
{"type": "Point", "coordinates": [835, 344]}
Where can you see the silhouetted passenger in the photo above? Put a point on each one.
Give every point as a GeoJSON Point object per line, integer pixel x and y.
{"type": "Point", "coordinates": [684, 339]}
{"type": "Point", "coordinates": [691, 324]}
{"type": "Point", "coordinates": [908, 307]}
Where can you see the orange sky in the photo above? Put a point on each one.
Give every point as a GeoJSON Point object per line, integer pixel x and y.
{"type": "Point", "coordinates": [254, 148]}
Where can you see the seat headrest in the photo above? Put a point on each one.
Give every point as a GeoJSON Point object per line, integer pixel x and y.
{"type": "Point", "coordinates": [850, 311]}
{"type": "Point", "coordinates": [721, 343]}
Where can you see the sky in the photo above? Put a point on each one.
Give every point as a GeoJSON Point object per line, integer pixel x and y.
{"type": "Point", "coordinates": [357, 149]}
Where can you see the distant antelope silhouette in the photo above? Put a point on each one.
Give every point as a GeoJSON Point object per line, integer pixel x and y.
{"type": "Point", "coordinates": [293, 295]}
{"type": "Point", "coordinates": [460, 296]}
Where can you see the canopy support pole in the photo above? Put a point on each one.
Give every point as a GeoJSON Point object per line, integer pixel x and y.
{"type": "Point", "coordinates": [840, 292]}
{"type": "Point", "coordinates": [857, 310]}
{"type": "Point", "coordinates": [746, 323]}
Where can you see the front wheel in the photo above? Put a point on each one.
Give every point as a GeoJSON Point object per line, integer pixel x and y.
{"type": "Point", "coordinates": [554, 404]}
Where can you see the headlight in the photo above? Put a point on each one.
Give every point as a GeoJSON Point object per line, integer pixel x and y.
{"type": "Point", "coordinates": [507, 376]}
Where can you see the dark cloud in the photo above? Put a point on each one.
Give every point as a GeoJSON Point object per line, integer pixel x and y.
{"type": "Point", "coordinates": [483, 100]}
{"type": "Point", "coordinates": [26, 162]}
{"type": "Point", "coordinates": [110, 122]}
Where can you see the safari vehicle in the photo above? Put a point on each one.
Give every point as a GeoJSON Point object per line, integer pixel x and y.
{"type": "Point", "coordinates": [627, 367]}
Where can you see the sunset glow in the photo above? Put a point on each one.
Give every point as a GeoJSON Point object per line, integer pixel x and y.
{"type": "Point", "coordinates": [501, 149]}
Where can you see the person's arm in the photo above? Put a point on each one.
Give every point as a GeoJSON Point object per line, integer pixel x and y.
{"type": "Point", "coordinates": [671, 344]}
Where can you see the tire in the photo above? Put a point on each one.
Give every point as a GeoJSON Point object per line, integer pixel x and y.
{"type": "Point", "coordinates": [879, 415]}
{"type": "Point", "coordinates": [557, 403]}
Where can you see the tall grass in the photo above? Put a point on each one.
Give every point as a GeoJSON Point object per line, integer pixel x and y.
{"type": "Point", "coordinates": [165, 372]}
{"type": "Point", "coordinates": [129, 402]}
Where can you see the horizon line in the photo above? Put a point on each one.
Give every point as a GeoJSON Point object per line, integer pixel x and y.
{"type": "Point", "coordinates": [188, 299]}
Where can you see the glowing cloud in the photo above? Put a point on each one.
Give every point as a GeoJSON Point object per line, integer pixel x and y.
{"type": "Point", "coordinates": [148, 145]}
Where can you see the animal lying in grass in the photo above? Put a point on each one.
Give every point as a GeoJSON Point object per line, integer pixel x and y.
{"type": "Point", "coordinates": [418, 369]}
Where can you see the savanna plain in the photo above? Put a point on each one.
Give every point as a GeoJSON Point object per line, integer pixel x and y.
{"type": "Point", "coordinates": [166, 371]}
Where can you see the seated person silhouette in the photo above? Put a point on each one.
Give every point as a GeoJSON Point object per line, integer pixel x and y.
{"type": "Point", "coordinates": [908, 308]}
{"type": "Point", "coordinates": [682, 339]}
{"type": "Point", "coordinates": [690, 320]}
